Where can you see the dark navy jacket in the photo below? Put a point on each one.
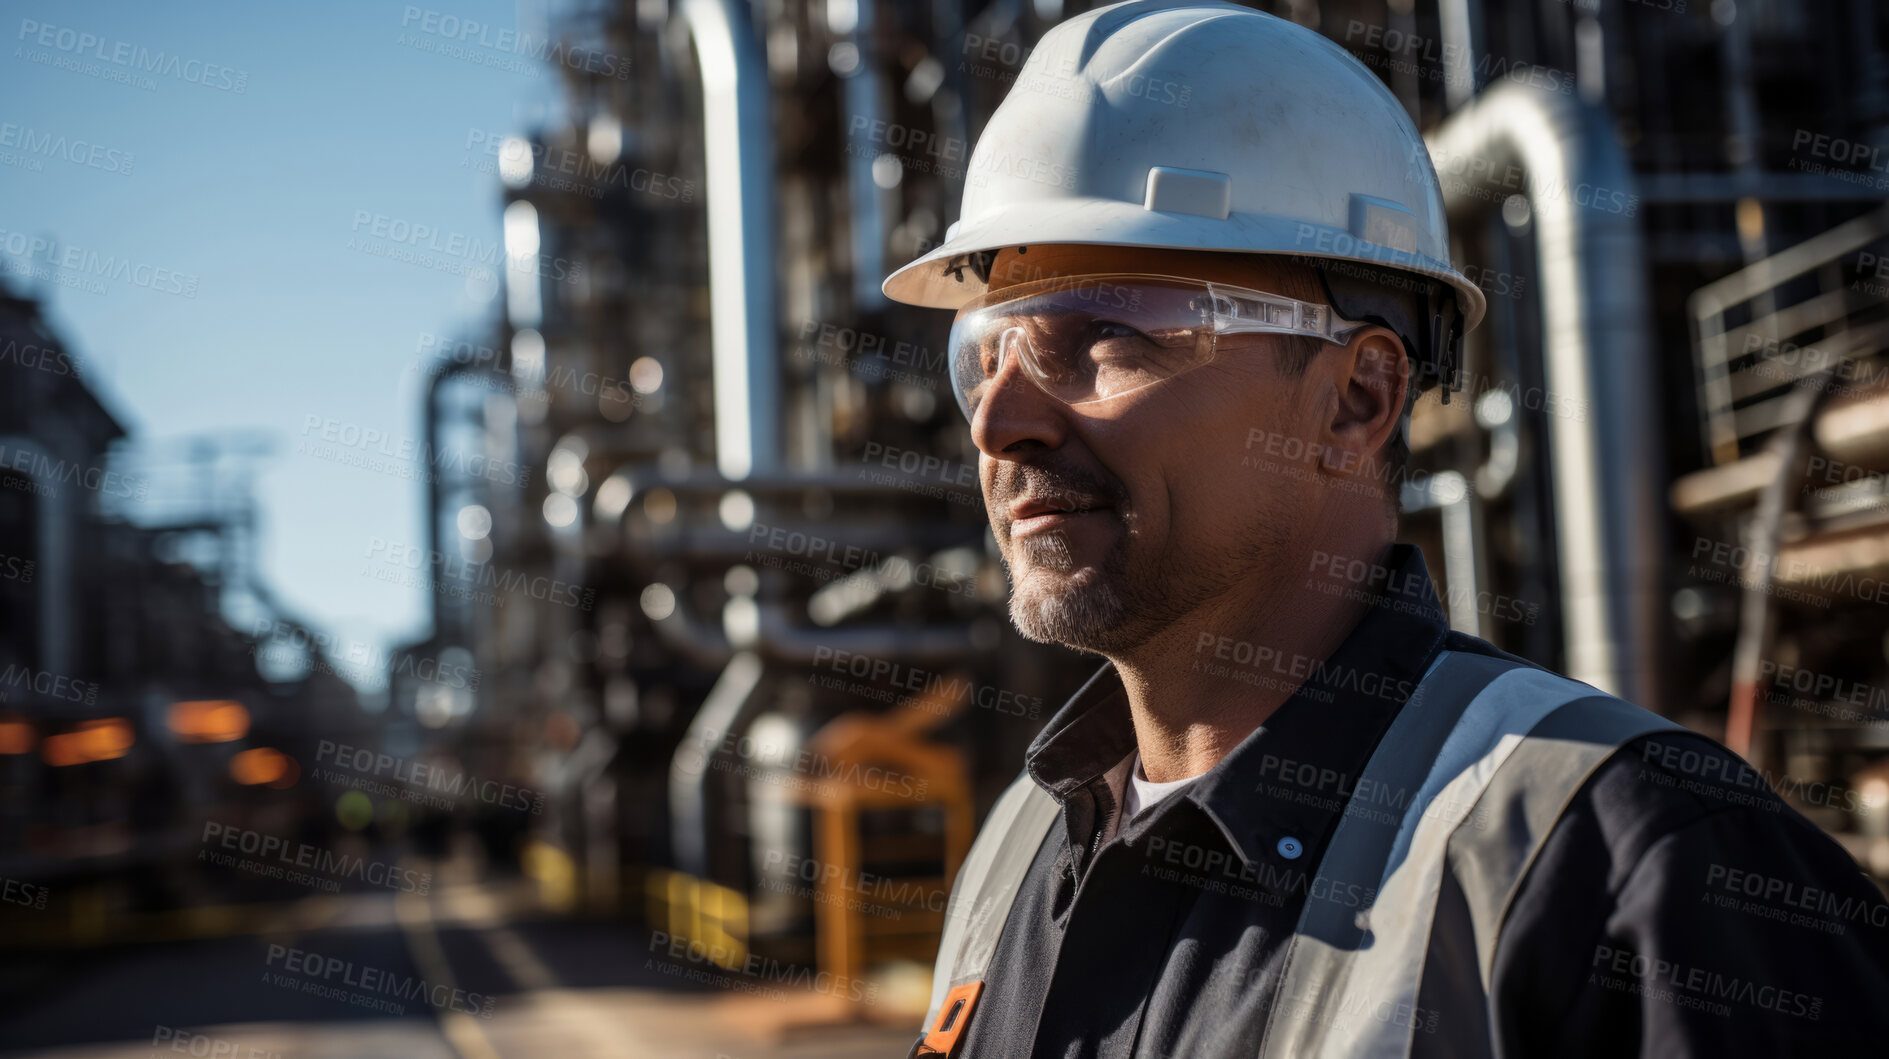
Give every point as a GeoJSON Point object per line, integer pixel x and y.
{"type": "Point", "coordinates": [1674, 871]}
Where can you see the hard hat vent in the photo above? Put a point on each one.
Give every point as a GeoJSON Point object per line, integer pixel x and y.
{"type": "Point", "coordinates": [1384, 222]}
{"type": "Point", "coordinates": [1200, 192]}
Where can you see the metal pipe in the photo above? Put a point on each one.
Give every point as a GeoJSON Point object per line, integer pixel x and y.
{"type": "Point", "coordinates": [738, 149]}
{"type": "Point", "coordinates": [871, 204]}
{"type": "Point", "coordinates": [1725, 487]}
{"type": "Point", "coordinates": [1597, 351]}
{"type": "Point", "coordinates": [861, 590]}
{"type": "Point", "coordinates": [1464, 556]}
{"type": "Point", "coordinates": [738, 152]}
{"type": "Point", "coordinates": [770, 630]}
{"type": "Point", "coordinates": [703, 644]}
{"type": "Point", "coordinates": [739, 695]}
{"type": "Point", "coordinates": [56, 528]}
{"type": "Point", "coordinates": [1691, 188]}
{"type": "Point", "coordinates": [1503, 465]}
{"type": "Point", "coordinates": [944, 480]}
{"type": "Point", "coordinates": [1855, 431]}
{"type": "Point", "coordinates": [1852, 432]}
{"type": "Point", "coordinates": [442, 372]}
{"type": "Point", "coordinates": [836, 546]}
{"type": "Point", "coordinates": [1757, 617]}
{"type": "Point", "coordinates": [1458, 23]}
{"type": "Point", "coordinates": [731, 704]}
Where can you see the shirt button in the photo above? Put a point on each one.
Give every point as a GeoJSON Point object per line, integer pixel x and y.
{"type": "Point", "coordinates": [1290, 848]}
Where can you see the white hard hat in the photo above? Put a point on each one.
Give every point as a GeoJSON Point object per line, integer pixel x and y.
{"type": "Point", "coordinates": [1207, 126]}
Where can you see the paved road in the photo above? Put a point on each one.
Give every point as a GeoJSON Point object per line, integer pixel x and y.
{"type": "Point", "coordinates": [452, 976]}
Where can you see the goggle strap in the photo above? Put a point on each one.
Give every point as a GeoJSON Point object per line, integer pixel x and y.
{"type": "Point", "coordinates": [1266, 313]}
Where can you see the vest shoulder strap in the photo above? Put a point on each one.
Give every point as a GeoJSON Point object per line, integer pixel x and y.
{"type": "Point", "coordinates": [986, 887]}
{"type": "Point", "coordinates": [1475, 770]}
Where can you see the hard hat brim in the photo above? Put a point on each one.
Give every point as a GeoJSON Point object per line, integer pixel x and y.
{"type": "Point", "coordinates": [1106, 222]}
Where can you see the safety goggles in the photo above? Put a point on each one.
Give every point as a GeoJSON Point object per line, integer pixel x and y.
{"type": "Point", "coordinates": [1090, 338]}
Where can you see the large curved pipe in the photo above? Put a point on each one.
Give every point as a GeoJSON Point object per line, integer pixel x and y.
{"type": "Point", "coordinates": [1597, 353]}
{"type": "Point", "coordinates": [738, 695]}
{"type": "Point", "coordinates": [738, 148]}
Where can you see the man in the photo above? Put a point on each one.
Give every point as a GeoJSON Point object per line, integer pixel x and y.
{"type": "Point", "coordinates": [1295, 814]}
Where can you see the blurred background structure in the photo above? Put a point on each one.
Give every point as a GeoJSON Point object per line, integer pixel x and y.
{"type": "Point", "coordinates": [719, 668]}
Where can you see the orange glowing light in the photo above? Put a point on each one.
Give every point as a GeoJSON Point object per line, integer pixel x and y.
{"type": "Point", "coordinates": [209, 721]}
{"type": "Point", "coordinates": [100, 740]}
{"type": "Point", "coordinates": [260, 765]}
{"type": "Point", "coordinates": [16, 737]}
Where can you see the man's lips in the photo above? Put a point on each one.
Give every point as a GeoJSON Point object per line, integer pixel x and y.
{"type": "Point", "coordinates": [1035, 515]}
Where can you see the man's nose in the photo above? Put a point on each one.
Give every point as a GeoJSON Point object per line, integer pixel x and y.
{"type": "Point", "coordinates": [1013, 412]}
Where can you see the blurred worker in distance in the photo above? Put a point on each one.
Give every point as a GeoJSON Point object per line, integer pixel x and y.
{"type": "Point", "coordinates": [1201, 274]}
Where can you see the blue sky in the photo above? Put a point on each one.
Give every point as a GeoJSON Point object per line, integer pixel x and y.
{"type": "Point", "coordinates": [256, 194]}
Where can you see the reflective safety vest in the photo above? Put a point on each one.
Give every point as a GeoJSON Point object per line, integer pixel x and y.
{"type": "Point", "coordinates": [1484, 741]}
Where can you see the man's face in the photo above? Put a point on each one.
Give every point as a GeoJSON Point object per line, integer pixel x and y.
{"type": "Point", "coordinates": [1117, 517]}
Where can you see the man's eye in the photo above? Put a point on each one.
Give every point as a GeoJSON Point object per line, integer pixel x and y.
{"type": "Point", "coordinates": [1112, 340]}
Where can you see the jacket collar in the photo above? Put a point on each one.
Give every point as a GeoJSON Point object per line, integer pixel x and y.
{"type": "Point", "coordinates": [1292, 776]}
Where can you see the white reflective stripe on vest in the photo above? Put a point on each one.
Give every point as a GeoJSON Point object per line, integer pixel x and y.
{"type": "Point", "coordinates": [987, 886]}
{"type": "Point", "coordinates": [1352, 978]}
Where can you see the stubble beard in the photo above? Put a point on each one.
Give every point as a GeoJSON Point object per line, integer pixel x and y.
{"type": "Point", "coordinates": [1107, 606]}
{"type": "Point", "coordinates": [1112, 607]}
{"type": "Point", "coordinates": [1083, 610]}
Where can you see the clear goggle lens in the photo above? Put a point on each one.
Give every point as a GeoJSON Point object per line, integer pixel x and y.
{"type": "Point", "coordinates": [1090, 338]}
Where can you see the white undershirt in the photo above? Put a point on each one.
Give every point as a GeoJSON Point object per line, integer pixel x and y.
{"type": "Point", "coordinates": [1142, 792]}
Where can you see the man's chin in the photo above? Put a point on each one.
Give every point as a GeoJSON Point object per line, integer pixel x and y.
{"type": "Point", "coordinates": [1081, 611]}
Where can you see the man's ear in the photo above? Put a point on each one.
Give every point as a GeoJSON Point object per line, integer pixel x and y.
{"type": "Point", "coordinates": [1371, 375]}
